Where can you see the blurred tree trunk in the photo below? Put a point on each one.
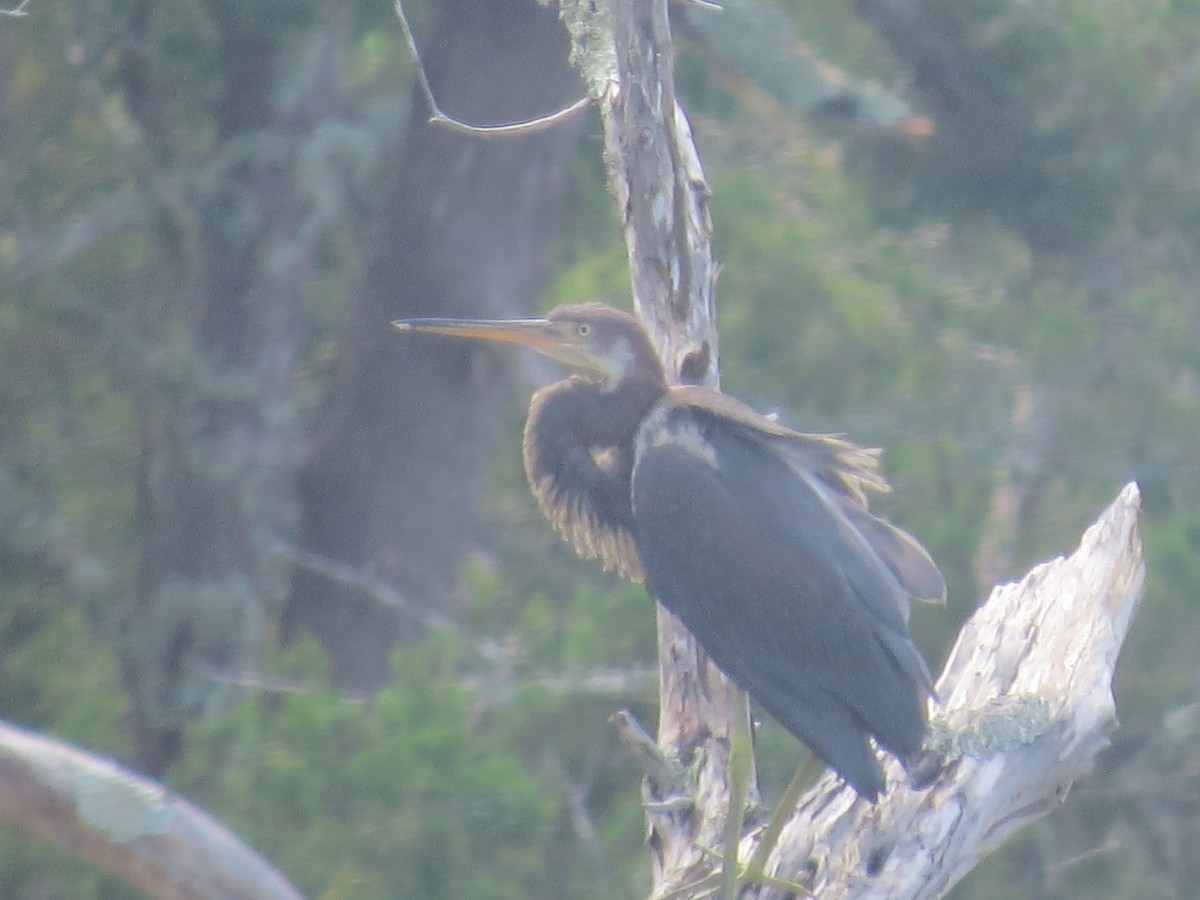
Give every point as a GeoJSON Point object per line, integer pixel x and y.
{"type": "Point", "coordinates": [220, 309]}
{"type": "Point", "coordinates": [404, 439]}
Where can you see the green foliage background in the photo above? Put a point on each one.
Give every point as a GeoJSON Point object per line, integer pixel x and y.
{"type": "Point", "coordinates": [1026, 324]}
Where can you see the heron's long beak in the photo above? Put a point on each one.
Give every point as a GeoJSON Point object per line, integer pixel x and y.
{"type": "Point", "coordinates": [542, 335]}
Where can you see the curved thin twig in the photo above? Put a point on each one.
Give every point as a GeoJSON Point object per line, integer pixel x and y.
{"type": "Point", "coordinates": [511, 129]}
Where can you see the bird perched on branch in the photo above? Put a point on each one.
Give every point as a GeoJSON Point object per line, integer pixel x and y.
{"type": "Point", "coordinates": [756, 536]}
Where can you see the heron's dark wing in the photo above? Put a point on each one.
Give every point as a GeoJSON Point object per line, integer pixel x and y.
{"type": "Point", "coordinates": [908, 561]}
{"type": "Point", "coordinates": [848, 469]}
{"type": "Point", "coordinates": [778, 585]}
{"type": "Point", "coordinates": [843, 472]}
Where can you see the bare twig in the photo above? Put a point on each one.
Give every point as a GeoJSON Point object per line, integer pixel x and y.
{"type": "Point", "coordinates": [600, 683]}
{"type": "Point", "coordinates": [661, 772]}
{"type": "Point", "coordinates": [615, 682]}
{"type": "Point", "coordinates": [611, 682]}
{"type": "Point", "coordinates": [511, 129]}
{"type": "Point", "coordinates": [17, 11]}
{"type": "Point", "coordinates": [369, 584]}
{"type": "Point", "coordinates": [256, 682]}
{"type": "Point", "coordinates": [42, 250]}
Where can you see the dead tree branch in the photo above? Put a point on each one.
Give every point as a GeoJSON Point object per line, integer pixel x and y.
{"type": "Point", "coordinates": [127, 825]}
{"type": "Point", "coordinates": [625, 50]}
{"type": "Point", "coordinates": [1027, 704]}
{"type": "Point", "coordinates": [1026, 695]}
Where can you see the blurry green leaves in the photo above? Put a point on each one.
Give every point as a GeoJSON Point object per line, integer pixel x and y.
{"type": "Point", "coordinates": [78, 697]}
{"type": "Point", "coordinates": [820, 310]}
{"type": "Point", "coordinates": [1045, 114]}
{"type": "Point", "coordinates": [418, 792]}
{"type": "Point", "coordinates": [609, 628]}
{"type": "Point", "coordinates": [1164, 631]}
{"type": "Point", "coordinates": [242, 19]}
{"type": "Point", "coordinates": [191, 630]}
{"type": "Point", "coordinates": [601, 275]}
{"type": "Point", "coordinates": [760, 41]}
{"type": "Point", "coordinates": [601, 624]}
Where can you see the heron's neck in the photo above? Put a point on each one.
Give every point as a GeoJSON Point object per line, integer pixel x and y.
{"type": "Point", "coordinates": [594, 415]}
{"type": "Point", "coordinates": [579, 459]}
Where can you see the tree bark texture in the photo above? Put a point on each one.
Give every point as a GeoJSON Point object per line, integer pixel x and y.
{"type": "Point", "coordinates": [663, 198]}
{"type": "Point", "coordinates": [126, 825]}
{"type": "Point", "coordinates": [404, 439]}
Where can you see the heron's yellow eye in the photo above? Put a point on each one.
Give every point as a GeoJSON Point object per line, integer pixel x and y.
{"type": "Point", "coordinates": [583, 329]}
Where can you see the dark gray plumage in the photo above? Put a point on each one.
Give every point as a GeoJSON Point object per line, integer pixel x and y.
{"type": "Point", "coordinates": [758, 537]}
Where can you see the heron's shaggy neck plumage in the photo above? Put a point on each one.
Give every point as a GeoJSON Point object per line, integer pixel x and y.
{"type": "Point", "coordinates": [578, 450]}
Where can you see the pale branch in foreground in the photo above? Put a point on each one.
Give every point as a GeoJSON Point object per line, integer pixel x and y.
{"type": "Point", "coordinates": [127, 825]}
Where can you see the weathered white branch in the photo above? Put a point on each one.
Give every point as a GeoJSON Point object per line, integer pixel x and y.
{"type": "Point", "coordinates": [1027, 701]}
{"type": "Point", "coordinates": [127, 825]}
{"type": "Point", "coordinates": [662, 195]}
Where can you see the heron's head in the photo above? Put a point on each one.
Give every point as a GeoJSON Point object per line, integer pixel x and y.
{"type": "Point", "coordinates": [590, 337]}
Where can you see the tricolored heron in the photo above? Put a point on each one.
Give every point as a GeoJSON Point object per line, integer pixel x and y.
{"type": "Point", "coordinates": [756, 536]}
